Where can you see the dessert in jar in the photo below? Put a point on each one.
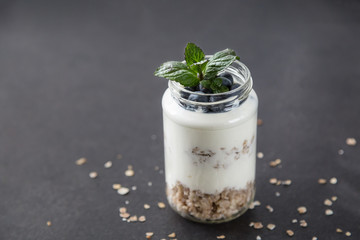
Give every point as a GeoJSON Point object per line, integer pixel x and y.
{"type": "Point", "coordinates": [210, 142]}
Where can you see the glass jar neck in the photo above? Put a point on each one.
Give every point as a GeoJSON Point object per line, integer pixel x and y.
{"type": "Point", "coordinates": [219, 102]}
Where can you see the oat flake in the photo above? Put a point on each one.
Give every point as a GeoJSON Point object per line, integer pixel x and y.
{"type": "Point", "coordinates": [129, 173]}
{"type": "Point", "coordinates": [302, 210]}
{"type": "Point", "coordinates": [220, 237]}
{"type": "Point", "coordinates": [351, 141]}
{"type": "Point", "coordinates": [142, 219]}
{"type": "Point", "coordinates": [290, 233]}
{"type": "Point", "coordinates": [80, 161]}
{"type": "Point", "coordinates": [329, 212]}
{"type": "Point", "coordinates": [108, 164]}
{"type": "Point", "coordinates": [123, 191]}
{"type": "Point", "coordinates": [333, 180]}
{"type": "Point", "coordinates": [322, 181]}
{"type": "Point", "coordinates": [161, 205]}
{"type": "Point", "coordinates": [116, 186]}
{"type": "Point", "coordinates": [93, 175]}
{"type": "Point", "coordinates": [327, 202]}
{"type": "Point", "coordinates": [271, 226]}
{"type": "Point", "coordinates": [172, 235]}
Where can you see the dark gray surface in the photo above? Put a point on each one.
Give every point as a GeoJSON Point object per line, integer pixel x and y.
{"type": "Point", "coordinates": [76, 80]}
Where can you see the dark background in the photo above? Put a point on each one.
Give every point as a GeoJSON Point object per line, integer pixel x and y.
{"type": "Point", "coordinates": [76, 80]}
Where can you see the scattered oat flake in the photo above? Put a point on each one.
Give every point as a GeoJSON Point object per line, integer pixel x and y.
{"type": "Point", "coordinates": [133, 218]}
{"type": "Point", "coordinates": [302, 210]}
{"type": "Point", "coordinates": [314, 238]}
{"type": "Point", "coordinates": [123, 191]}
{"type": "Point", "coordinates": [48, 223]}
{"type": "Point", "coordinates": [127, 202]}
{"type": "Point", "coordinates": [348, 234]}
{"type": "Point", "coordinates": [116, 186]}
{"type": "Point", "coordinates": [328, 202]}
{"type": "Point", "coordinates": [271, 226]}
{"type": "Point", "coordinates": [251, 224]}
{"type": "Point", "coordinates": [290, 233]}
{"type": "Point", "coordinates": [125, 215]}
{"type": "Point", "coordinates": [322, 181]}
{"type": "Point", "coordinates": [149, 234]}
{"type": "Point", "coordinates": [275, 163]}
{"type": "Point", "coordinates": [161, 205]}
{"type": "Point", "coordinates": [129, 173]}
{"type": "Point", "coordinates": [329, 212]}
{"type": "Point", "coordinates": [149, 184]}
{"type": "Point", "coordinates": [303, 223]}
{"type": "Point", "coordinates": [339, 230]}
{"type": "Point", "coordinates": [80, 161]}
{"type": "Point", "coordinates": [341, 152]}
{"type": "Point", "coordinates": [277, 194]}
{"type": "Point", "coordinates": [260, 155]}
{"type": "Point", "coordinates": [259, 122]}
{"type": "Point", "coordinates": [334, 198]}
{"type": "Point", "coordinates": [258, 225]}
{"type": "Point", "coordinates": [333, 180]}
{"type": "Point", "coordinates": [254, 204]}
{"type": "Point", "coordinates": [93, 175]}
{"type": "Point", "coordinates": [286, 182]}
{"type": "Point", "coordinates": [278, 182]}
{"type": "Point", "coordinates": [142, 219]}
{"type": "Point", "coordinates": [351, 141]}
{"type": "Point", "coordinates": [108, 164]}
{"type": "Point", "coordinates": [220, 237]}
{"type": "Point", "coordinates": [258, 237]}
{"type": "Point", "coordinates": [133, 188]}
{"type": "Point", "coordinates": [146, 206]}
{"type": "Point", "coordinates": [172, 235]}
{"type": "Point", "coordinates": [273, 180]}
{"type": "Point", "coordinates": [294, 220]}
{"type": "Point", "coordinates": [257, 203]}
{"type": "Point", "coordinates": [270, 208]}
{"type": "Point", "coordinates": [122, 210]}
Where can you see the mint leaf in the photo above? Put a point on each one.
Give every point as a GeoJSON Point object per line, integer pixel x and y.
{"type": "Point", "coordinates": [206, 84]}
{"type": "Point", "coordinates": [218, 62]}
{"type": "Point", "coordinates": [221, 89]}
{"type": "Point", "coordinates": [193, 54]}
{"type": "Point", "coordinates": [179, 72]}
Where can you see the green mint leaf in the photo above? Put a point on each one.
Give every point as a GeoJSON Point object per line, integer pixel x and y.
{"type": "Point", "coordinates": [216, 85]}
{"type": "Point", "coordinates": [179, 72]}
{"type": "Point", "coordinates": [193, 54]}
{"type": "Point", "coordinates": [218, 62]}
{"type": "Point", "coordinates": [220, 89]}
{"type": "Point", "coordinates": [206, 84]}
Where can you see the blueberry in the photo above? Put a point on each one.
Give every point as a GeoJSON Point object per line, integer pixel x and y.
{"type": "Point", "coordinates": [198, 98]}
{"type": "Point", "coordinates": [204, 90]}
{"type": "Point", "coordinates": [226, 82]}
{"type": "Point", "coordinates": [185, 94]}
{"type": "Point", "coordinates": [228, 76]}
{"type": "Point", "coordinates": [217, 107]}
{"type": "Point", "coordinates": [235, 85]}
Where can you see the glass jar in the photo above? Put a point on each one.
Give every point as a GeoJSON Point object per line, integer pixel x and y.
{"type": "Point", "coordinates": [210, 149]}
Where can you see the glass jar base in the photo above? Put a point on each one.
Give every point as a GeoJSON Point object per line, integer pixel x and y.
{"type": "Point", "coordinates": [210, 208]}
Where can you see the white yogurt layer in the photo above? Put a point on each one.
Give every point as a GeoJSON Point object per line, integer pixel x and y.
{"type": "Point", "coordinates": [210, 151]}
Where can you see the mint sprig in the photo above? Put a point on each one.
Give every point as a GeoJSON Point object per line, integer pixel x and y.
{"type": "Point", "coordinates": [198, 69]}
